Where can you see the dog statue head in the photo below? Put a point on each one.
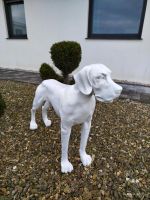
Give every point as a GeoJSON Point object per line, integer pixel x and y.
{"type": "Point", "coordinates": [96, 78]}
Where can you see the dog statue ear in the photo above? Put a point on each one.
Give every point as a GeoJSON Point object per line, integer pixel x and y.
{"type": "Point", "coordinates": [82, 81]}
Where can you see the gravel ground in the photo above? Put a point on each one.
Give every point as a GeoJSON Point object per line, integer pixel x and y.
{"type": "Point", "coordinates": [30, 160]}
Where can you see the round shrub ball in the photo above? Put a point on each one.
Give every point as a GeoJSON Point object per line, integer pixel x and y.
{"type": "Point", "coordinates": [2, 105]}
{"type": "Point", "coordinates": [47, 72]}
{"type": "Point", "coordinates": [66, 56]}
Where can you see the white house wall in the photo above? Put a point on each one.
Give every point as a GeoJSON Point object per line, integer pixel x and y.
{"type": "Point", "coordinates": [50, 21]}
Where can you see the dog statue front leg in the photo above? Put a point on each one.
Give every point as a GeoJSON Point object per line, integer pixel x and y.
{"type": "Point", "coordinates": [85, 158]}
{"type": "Point", "coordinates": [66, 166]}
{"type": "Point", "coordinates": [33, 124]}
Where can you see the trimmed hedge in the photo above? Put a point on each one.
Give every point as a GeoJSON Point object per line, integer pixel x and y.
{"type": "Point", "coordinates": [66, 56]}
{"type": "Point", "coordinates": [2, 105]}
{"type": "Point", "coordinates": [47, 72]}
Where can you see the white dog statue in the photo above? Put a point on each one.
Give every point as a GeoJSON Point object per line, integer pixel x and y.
{"type": "Point", "coordinates": [75, 104]}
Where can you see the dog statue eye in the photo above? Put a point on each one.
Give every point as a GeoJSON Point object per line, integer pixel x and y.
{"type": "Point", "coordinates": [99, 78]}
{"type": "Point", "coordinates": [103, 76]}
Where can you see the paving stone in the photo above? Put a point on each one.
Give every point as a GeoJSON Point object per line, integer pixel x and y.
{"type": "Point", "coordinates": [20, 75]}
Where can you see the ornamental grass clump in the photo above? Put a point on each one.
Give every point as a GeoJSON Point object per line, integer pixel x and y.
{"type": "Point", "coordinates": [66, 56]}
{"type": "Point", "coordinates": [2, 105]}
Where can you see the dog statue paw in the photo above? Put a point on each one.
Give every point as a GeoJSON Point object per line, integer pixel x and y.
{"type": "Point", "coordinates": [47, 123]}
{"type": "Point", "coordinates": [66, 166]}
{"type": "Point", "coordinates": [85, 159]}
{"type": "Point", "coordinates": [33, 125]}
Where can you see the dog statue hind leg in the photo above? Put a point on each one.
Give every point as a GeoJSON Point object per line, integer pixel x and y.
{"type": "Point", "coordinates": [39, 99]}
{"type": "Point", "coordinates": [46, 121]}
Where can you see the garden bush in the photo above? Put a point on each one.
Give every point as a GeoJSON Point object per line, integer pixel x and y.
{"type": "Point", "coordinates": [47, 72]}
{"type": "Point", "coordinates": [2, 105]}
{"type": "Point", "coordinates": [66, 56]}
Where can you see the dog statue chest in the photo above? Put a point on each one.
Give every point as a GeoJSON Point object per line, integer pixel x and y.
{"type": "Point", "coordinates": [76, 107]}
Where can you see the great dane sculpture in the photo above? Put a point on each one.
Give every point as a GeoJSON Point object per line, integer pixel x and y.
{"type": "Point", "coordinates": [75, 104]}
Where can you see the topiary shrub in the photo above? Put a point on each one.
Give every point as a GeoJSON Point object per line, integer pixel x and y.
{"type": "Point", "coordinates": [2, 105]}
{"type": "Point", "coordinates": [47, 72]}
{"type": "Point", "coordinates": [66, 56]}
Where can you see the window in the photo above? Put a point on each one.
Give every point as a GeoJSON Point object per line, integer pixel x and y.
{"type": "Point", "coordinates": [15, 16]}
{"type": "Point", "coordinates": [116, 19]}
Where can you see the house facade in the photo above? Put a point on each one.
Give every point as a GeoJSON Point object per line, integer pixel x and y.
{"type": "Point", "coordinates": [113, 32]}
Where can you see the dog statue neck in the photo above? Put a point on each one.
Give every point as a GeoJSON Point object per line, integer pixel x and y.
{"type": "Point", "coordinates": [79, 93]}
